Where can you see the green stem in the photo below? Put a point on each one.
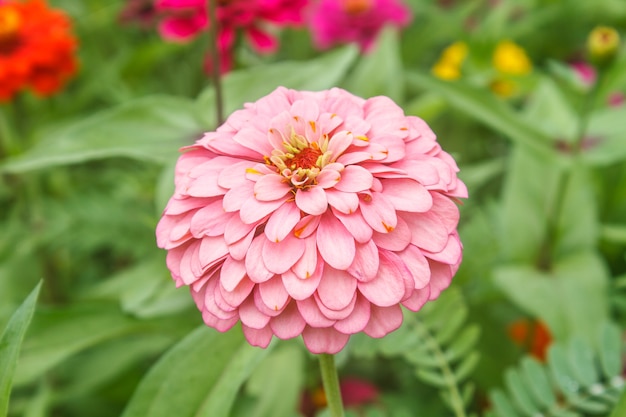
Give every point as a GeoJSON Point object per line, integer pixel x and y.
{"type": "Point", "coordinates": [331, 385]}
{"type": "Point", "coordinates": [216, 72]}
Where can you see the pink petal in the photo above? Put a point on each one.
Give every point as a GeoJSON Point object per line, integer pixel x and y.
{"type": "Point", "coordinates": [233, 175]}
{"type": "Point", "coordinates": [388, 287]}
{"type": "Point", "coordinates": [251, 316]}
{"type": "Point", "coordinates": [239, 249]}
{"type": "Point", "coordinates": [299, 288]}
{"type": "Point", "coordinates": [306, 226]}
{"type": "Point", "coordinates": [417, 265]}
{"type": "Point", "coordinates": [428, 231]}
{"type": "Point", "coordinates": [336, 289]}
{"type": "Point", "coordinates": [312, 201]}
{"type": "Point", "coordinates": [289, 323]}
{"type": "Point", "coordinates": [271, 187]}
{"type": "Point", "coordinates": [311, 313]}
{"type": "Point", "coordinates": [235, 230]}
{"type": "Point", "coordinates": [211, 250]}
{"type": "Point", "coordinates": [335, 243]}
{"type": "Point", "coordinates": [356, 225]}
{"type": "Point", "coordinates": [450, 254]}
{"type": "Point", "coordinates": [236, 197]}
{"type": "Point", "coordinates": [336, 314]}
{"type": "Point", "coordinates": [255, 267]}
{"type": "Point", "coordinates": [394, 147]}
{"type": "Point", "coordinates": [338, 143]}
{"type": "Point", "coordinates": [255, 140]}
{"type": "Point", "coordinates": [232, 273]}
{"type": "Point", "coordinates": [280, 257]}
{"type": "Point", "coordinates": [396, 240]}
{"type": "Point", "coordinates": [354, 178]}
{"type": "Point", "coordinates": [407, 195]}
{"type": "Point", "coordinates": [239, 293]}
{"type": "Point", "coordinates": [182, 205]}
{"type": "Point", "coordinates": [346, 203]}
{"type": "Point", "coordinates": [447, 210]}
{"type": "Point", "coordinates": [328, 178]}
{"type": "Point", "coordinates": [273, 293]}
{"type": "Point", "coordinates": [206, 186]}
{"type": "Point", "coordinates": [307, 264]}
{"type": "Point", "coordinates": [254, 210]}
{"type": "Point", "coordinates": [210, 220]}
{"type": "Point", "coordinates": [325, 340]}
{"type": "Point", "coordinates": [210, 304]}
{"type": "Point", "coordinates": [417, 299]}
{"type": "Point", "coordinates": [383, 320]}
{"type": "Point", "coordinates": [441, 277]}
{"type": "Point", "coordinates": [366, 262]}
{"type": "Point", "coordinates": [258, 337]}
{"type": "Point", "coordinates": [357, 320]}
{"type": "Point", "coordinates": [379, 213]}
{"type": "Point", "coordinates": [281, 222]}
{"type": "Point", "coordinates": [221, 325]}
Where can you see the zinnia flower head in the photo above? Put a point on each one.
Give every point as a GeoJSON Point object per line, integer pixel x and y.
{"type": "Point", "coordinates": [36, 48]}
{"type": "Point", "coordinates": [185, 19]}
{"type": "Point", "coordinates": [316, 214]}
{"type": "Point", "coordinates": [355, 21]}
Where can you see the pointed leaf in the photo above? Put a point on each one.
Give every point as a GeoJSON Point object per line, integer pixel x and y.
{"type": "Point", "coordinates": [199, 377]}
{"type": "Point", "coordinates": [10, 344]}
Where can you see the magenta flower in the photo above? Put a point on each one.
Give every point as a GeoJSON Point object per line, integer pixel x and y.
{"type": "Point", "coordinates": [316, 214]}
{"type": "Point", "coordinates": [185, 19]}
{"type": "Point", "coordinates": [355, 21]}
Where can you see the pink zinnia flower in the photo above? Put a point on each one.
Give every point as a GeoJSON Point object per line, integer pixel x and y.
{"type": "Point", "coordinates": [313, 213]}
{"type": "Point", "coordinates": [355, 21]}
{"type": "Point", "coordinates": [185, 19]}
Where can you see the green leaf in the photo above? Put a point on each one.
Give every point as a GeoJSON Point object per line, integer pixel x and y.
{"type": "Point", "coordinates": [549, 110]}
{"type": "Point", "coordinates": [148, 129]}
{"type": "Point", "coordinates": [452, 325]}
{"type": "Point", "coordinates": [606, 137]}
{"type": "Point", "coordinates": [432, 378]}
{"type": "Point", "coordinates": [380, 71]}
{"type": "Point", "coordinates": [610, 349]}
{"type": "Point", "coordinates": [561, 372]}
{"type": "Point", "coordinates": [620, 408]}
{"type": "Point", "coordinates": [277, 382]}
{"type": "Point", "coordinates": [253, 83]}
{"type": "Point", "coordinates": [501, 404]}
{"type": "Point", "coordinates": [10, 344]}
{"type": "Point", "coordinates": [615, 233]}
{"type": "Point", "coordinates": [488, 110]}
{"type": "Point", "coordinates": [582, 362]}
{"type": "Point", "coordinates": [536, 379]}
{"type": "Point", "coordinates": [200, 376]}
{"type": "Point", "coordinates": [466, 366]}
{"type": "Point", "coordinates": [520, 395]}
{"type": "Point", "coordinates": [463, 343]}
{"type": "Point", "coordinates": [580, 281]}
{"type": "Point", "coordinates": [58, 334]}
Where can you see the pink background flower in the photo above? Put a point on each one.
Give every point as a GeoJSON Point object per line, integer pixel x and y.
{"type": "Point", "coordinates": [316, 214]}
{"type": "Point", "coordinates": [355, 21]}
{"type": "Point", "coordinates": [185, 19]}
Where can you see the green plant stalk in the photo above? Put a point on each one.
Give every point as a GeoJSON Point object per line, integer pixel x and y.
{"type": "Point", "coordinates": [544, 261]}
{"type": "Point", "coordinates": [330, 381]}
{"type": "Point", "coordinates": [456, 400]}
{"type": "Point", "coordinates": [216, 76]}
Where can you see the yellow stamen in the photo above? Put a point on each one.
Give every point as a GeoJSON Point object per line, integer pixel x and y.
{"type": "Point", "coordinates": [387, 227]}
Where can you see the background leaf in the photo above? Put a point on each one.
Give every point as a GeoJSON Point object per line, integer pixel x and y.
{"type": "Point", "coordinates": [10, 344]}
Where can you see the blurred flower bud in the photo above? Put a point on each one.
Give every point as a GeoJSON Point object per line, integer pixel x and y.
{"type": "Point", "coordinates": [602, 44]}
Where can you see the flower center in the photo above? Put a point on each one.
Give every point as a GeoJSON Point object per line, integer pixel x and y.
{"type": "Point", "coordinates": [10, 22]}
{"type": "Point", "coordinates": [300, 161]}
{"type": "Point", "coordinates": [356, 6]}
{"type": "Point", "coordinates": [306, 158]}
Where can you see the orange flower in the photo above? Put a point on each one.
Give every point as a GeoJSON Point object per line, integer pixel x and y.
{"type": "Point", "coordinates": [533, 336]}
{"type": "Point", "coordinates": [37, 48]}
